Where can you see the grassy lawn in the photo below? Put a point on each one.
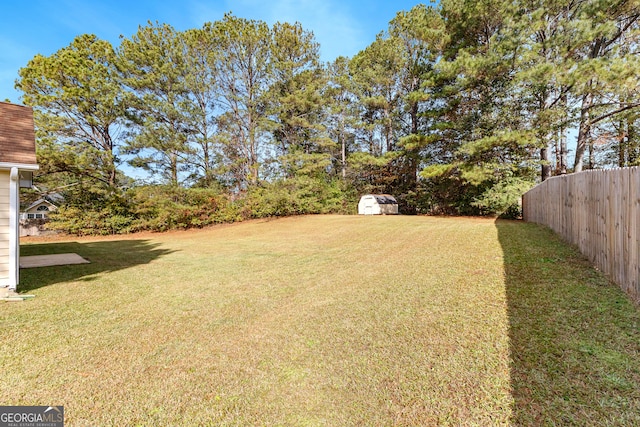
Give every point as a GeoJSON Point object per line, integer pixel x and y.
{"type": "Point", "coordinates": [325, 320]}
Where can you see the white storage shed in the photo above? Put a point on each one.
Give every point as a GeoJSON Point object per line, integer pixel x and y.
{"type": "Point", "coordinates": [377, 204]}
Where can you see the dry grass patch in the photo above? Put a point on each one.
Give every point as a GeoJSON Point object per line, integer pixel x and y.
{"type": "Point", "coordinates": [319, 320]}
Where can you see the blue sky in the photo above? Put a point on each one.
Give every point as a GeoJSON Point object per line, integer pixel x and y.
{"type": "Point", "coordinates": [27, 28]}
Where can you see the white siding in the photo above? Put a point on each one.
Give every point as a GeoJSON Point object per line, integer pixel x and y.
{"type": "Point", "coordinates": [4, 226]}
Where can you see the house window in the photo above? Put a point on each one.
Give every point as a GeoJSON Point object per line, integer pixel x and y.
{"type": "Point", "coordinates": [42, 208]}
{"type": "Point", "coordinates": [35, 216]}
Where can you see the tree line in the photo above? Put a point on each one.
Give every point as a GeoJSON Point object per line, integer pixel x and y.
{"type": "Point", "coordinates": [455, 108]}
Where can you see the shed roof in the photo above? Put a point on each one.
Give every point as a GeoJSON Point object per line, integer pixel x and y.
{"type": "Point", "coordinates": [385, 199]}
{"type": "Point", "coordinates": [17, 135]}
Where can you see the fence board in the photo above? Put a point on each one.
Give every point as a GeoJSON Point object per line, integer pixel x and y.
{"type": "Point", "coordinates": [599, 212]}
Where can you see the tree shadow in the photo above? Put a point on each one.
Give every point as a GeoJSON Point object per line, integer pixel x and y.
{"type": "Point", "coordinates": [104, 256]}
{"type": "Point", "coordinates": [574, 336]}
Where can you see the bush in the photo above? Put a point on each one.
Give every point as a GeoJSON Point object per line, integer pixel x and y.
{"type": "Point", "coordinates": [296, 196]}
{"type": "Point", "coordinates": [75, 220]}
{"type": "Point", "coordinates": [162, 208]}
{"type": "Point", "coordinates": [503, 199]}
{"type": "Point", "coordinates": [152, 208]}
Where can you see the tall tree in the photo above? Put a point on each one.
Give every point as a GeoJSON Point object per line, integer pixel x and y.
{"type": "Point", "coordinates": [391, 78]}
{"type": "Point", "coordinates": [296, 103]}
{"type": "Point", "coordinates": [78, 104]}
{"type": "Point", "coordinates": [543, 40]}
{"type": "Point", "coordinates": [600, 27]}
{"type": "Point", "coordinates": [243, 70]}
{"type": "Point", "coordinates": [488, 149]}
{"type": "Point", "coordinates": [341, 116]}
{"type": "Point", "coordinates": [201, 57]}
{"type": "Point", "coordinates": [154, 68]}
{"type": "Point", "coordinates": [376, 85]}
{"type": "Point", "coordinates": [376, 72]}
{"type": "Point", "coordinates": [419, 34]}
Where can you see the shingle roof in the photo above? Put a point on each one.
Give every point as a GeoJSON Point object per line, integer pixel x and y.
{"type": "Point", "coordinates": [17, 136]}
{"type": "Point", "coordinates": [38, 202]}
{"type": "Point", "coordinates": [385, 199]}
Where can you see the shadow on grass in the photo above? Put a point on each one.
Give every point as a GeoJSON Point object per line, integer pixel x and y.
{"type": "Point", "coordinates": [104, 256]}
{"type": "Point", "coordinates": [574, 336]}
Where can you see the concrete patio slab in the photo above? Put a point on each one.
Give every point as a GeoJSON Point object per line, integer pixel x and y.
{"type": "Point", "coordinates": [49, 260]}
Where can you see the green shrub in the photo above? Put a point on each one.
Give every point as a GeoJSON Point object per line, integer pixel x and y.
{"type": "Point", "coordinates": [296, 196]}
{"type": "Point", "coordinates": [162, 208]}
{"type": "Point", "coordinates": [503, 198]}
{"type": "Point", "coordinates": [152, 208]}
{"type": "Point", "coordinates": [75, 220]}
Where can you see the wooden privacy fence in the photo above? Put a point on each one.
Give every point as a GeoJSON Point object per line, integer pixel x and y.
{"type": "Point", "coordinates": [599, 211]}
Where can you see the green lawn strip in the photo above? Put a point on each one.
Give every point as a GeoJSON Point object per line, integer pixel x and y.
{"type": "Point", "coordinates": [318, 320]}
{"type": "Point", "coordinates": [575, 337]}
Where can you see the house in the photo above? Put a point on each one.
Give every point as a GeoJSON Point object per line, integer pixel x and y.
{"type": "Point", "coordinates": [377, 204]}
{"type": "Point", "coordinates": [17, 163]}
{"type": "Point", "coordinates": [38, 210]}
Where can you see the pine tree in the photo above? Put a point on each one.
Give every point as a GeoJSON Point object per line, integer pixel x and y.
{"type": "Point", "coordinates": [78, 105]}
{"type": "Point", "coordinates": [243, 70]}
{"type": "Point", "coordinates": [154, 69]}
{"type": "Point", "coordinates": [296, 103]}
